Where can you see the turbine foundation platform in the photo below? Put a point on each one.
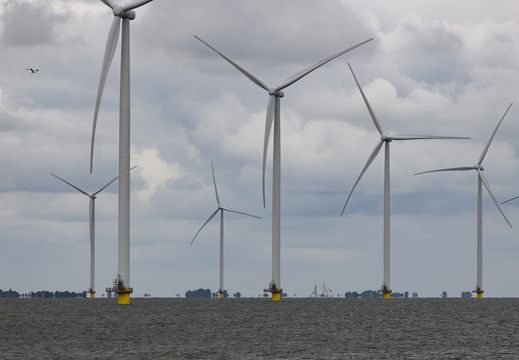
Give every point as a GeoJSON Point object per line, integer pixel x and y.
{"type": "Point", "coordinates": [123, 294]}
{"type": "Point", "coordinates": [479, 293]}
{"type": "Point", "coordinates": [276, 294]}
{"type": "Point", "coordinates": [386, 293]}
{"type": "Point", "coordinates": [123, 298]}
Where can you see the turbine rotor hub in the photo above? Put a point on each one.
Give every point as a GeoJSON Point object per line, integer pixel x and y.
{"type": "Point", "coordinates": [479, 167]}
{"type": "Point", "coordinates": [118, 10]}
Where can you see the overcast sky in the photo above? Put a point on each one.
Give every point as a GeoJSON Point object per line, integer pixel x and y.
{"type": "Point", "coordinates": [434, 67]}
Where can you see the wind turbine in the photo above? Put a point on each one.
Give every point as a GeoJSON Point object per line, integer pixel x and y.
{"type": "Point", "coordinates": [274, 117]}
{"type": "Point", "coordinates": [220, 209]}
{"type": "Point", "coordinates": [385, 139]}
{"type": "Point", "coordinates": [481, 180]}
{"type": "Point", "coordinates": [92, 225]}
{"type": "Point", "coordinates": [122, 14]}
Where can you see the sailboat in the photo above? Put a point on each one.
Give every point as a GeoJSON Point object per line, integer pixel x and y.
{"type": "Point", "coordinates": [314, 292]}
{"type": "Point", "coordinates": [327, 292]}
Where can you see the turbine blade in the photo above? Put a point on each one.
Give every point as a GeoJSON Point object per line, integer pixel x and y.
{"type": "Point", "coordinates": [74, 186]}
{"type": "Point", "coordinates": [255, 79]}
{"type": "Point", "coordinates": [105, 186]}
{"type": "Point", "coordinates": [461, 168]}
{"type": "Point", "coordinates": [372, 157]}
{"type": "Point", "coordinates": [484, 152]}
{"type": "Point", "coordinates": [268, 128]}
{"type": "Point", "coordinates": [422, 137]}
{"type": "Point", "coordinates": [215, 188]}
{"type": "Point", "coordinates": [108, 183]}
{"type": "Point", "coordinates": [111, 45]}
{"type": "Point", "coordinates": [485, 182]}
{"type": "Point", "coordinates": [210, 217]}
{"type": "Point", "coordinates": [239, 212]}
{"type": "Point", "coordinates": [135, 4]}
{"type": "Point", "coordinates": [371, 112]}
{"type": "Point", "coordinates": [504, 202]}
{"type": "Point", "coordinates": [109, 3]}
{"type": "Point", "coordinates": [307, 71]}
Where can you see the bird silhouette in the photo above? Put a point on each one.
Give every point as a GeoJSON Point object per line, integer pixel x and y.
{"type": "Point", "coordinates": [34, 71]}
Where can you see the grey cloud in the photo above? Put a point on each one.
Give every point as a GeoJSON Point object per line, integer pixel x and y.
{"type": "Point", "coordinates": [9, 122]}
{"type": "Point", "coordinates": [248, 30]}
{"type": "Point", "coordinates": [430, 51]}
{"type": "Point", "coordinates": [27, 24]}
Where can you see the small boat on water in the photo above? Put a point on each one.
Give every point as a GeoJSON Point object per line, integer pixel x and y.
{"type": "Point", "coordinates": [327, 292]}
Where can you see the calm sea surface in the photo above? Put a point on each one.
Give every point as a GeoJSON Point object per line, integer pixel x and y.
{"type": "Point", "coordinates": [171, 328]}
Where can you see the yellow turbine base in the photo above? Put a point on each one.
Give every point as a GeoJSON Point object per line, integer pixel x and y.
{"type": "Point", "coordinates": [276, 296]}
{"type": "Point", "coordinates": [92, 295]}
{"type": "Point", "coordinates": [123, 299]}
{"type": "Point", "coordinates": [480, 295]}
{"type": "Point", "coordinates": [387, 295]}
{"type": "Point", "coordinates": [221, 296]}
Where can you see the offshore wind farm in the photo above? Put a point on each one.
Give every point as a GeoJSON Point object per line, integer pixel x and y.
{"type": "Point", "coordinates": [425, 71]}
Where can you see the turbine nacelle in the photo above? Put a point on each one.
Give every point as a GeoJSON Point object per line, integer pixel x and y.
{"type": "Point", "coordinates": [275, 92]}
{"type": "Point", "coordinates": [118, 10]}
{"type": "Point", "coordinates": [479, 167]}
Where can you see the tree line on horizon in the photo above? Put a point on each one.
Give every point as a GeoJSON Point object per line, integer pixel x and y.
{"type": "Point", "coordinates": [43, 294]}
{"type": "Point", "coordinates": [206, 293]}
{"type": "Point", "coordinates": [377, 294]}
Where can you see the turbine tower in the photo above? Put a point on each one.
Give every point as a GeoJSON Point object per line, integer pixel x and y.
{"type": "Point", "coordinates": [122, 14]}
{"type": "Point", "coordinates": [220, 209]}
{"type": "Point", "coordinates": [92, 226]}
{"type": "Point", "coordinates": [274, 117]}
{"type": "Point", "coordinates": [385, 139]}
{"type": "Point", "coordinates": [482, 180]}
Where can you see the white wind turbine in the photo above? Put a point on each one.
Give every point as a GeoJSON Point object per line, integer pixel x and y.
{"type": "Point", "coordinates": [274, 116]}
{"type": "Point", "coordinates": [385, 139]}
{"type": "Point", "coordinates": [92, 225]}
{"type": "Point", "coordinates": [481, 180]}
{"type": "Point", "coordinates": [122, 14]}
{"type": "Point", "coordinates": [220, 209]}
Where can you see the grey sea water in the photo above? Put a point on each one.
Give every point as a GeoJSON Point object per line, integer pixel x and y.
{"type": "Point", "coordinates": [176, 328]}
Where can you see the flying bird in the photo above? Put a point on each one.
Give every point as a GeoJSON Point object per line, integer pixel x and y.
{"type": "Point", "coordinates": [34, 71]}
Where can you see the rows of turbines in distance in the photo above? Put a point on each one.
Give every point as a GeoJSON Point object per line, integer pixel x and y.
{"type": "Point", "coordinates": [121, 28]}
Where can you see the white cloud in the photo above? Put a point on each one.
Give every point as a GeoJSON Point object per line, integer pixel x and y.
{"type": "Point", "coordinates": [154, 171]}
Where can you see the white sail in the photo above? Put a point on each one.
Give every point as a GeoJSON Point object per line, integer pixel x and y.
{"type": "Point", "coordinates": [314, 291]}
